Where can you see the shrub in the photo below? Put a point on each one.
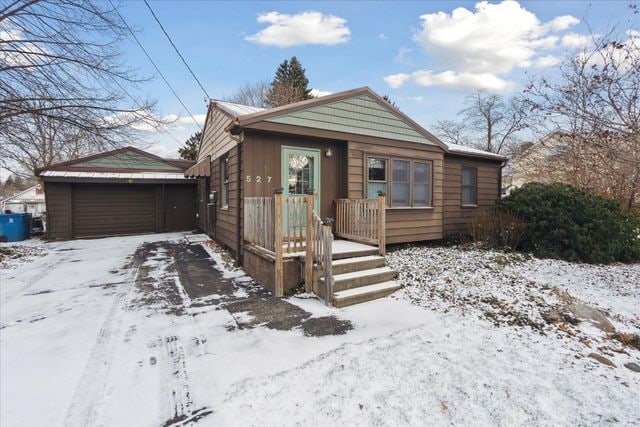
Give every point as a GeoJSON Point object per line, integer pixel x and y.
{"type": "Point", "coordinates": [497, 228]}
{"type": "Point", "coordinates": [567, 223]}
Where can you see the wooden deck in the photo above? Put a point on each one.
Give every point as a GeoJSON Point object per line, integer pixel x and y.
{"type": "Point", "coordinates": [340, 249]}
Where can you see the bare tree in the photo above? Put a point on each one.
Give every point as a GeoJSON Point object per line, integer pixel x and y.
{"type": "Point", "coordinates": [61, 70]}
{"type": "Point", "coordinates": [487, 121]}
{"type": "Point", "coordinates": [254, 94]}
{"type": "Point", "coordinates": [452, 131]}
{"type": "Point", "coordinates": [493, 121]}
{"type": "Point", "coordinates": [595, 103]}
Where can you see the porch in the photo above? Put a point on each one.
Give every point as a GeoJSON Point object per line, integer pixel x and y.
{"type": "Point", "coordinates": [286, 243]}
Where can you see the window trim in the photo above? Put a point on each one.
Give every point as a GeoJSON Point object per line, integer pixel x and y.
{"type": "Point", "coordinates": [389, 178]}
{"type": "Point", "coordinates": [224, 183]}
{"type": "Point", "coordinates": [462, 186]}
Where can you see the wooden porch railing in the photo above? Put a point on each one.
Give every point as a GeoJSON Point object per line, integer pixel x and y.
{"type": "Point", "coordinates": [362, 220]}
{"type": "Point", "coordinates": [282, 225]}
{"type": "Point", "coordinates": [259, 222]}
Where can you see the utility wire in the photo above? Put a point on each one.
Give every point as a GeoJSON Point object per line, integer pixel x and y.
{"type": "Point", "coordinates": [155, 66]}
{"type": "Point", "coordinates": [176, 49]}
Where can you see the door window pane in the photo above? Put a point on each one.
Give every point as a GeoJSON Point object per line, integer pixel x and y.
{"type": "Point", "coordinates": [377, 169]}
{"type": "Point", "coordinates": [400, 183]}
{"type": "Point", "coordinates": [421, 184]}
{"type": "Point", "coordinates": [301, 171]}
{"type": "Point", "coordinates": [377, 177]}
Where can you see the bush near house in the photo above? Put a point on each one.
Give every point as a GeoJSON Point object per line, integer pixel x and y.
{"type": "Point", "coordinates": [567, 223]}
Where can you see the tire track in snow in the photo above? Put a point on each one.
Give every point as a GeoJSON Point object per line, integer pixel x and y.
{"type": "Point", "coordinates": [84, 407]}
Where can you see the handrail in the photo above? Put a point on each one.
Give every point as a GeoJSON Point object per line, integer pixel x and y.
{"type": "Point", "coordinates": [323, 254]}
{"type": "Point", "coordinates": [362, 220]}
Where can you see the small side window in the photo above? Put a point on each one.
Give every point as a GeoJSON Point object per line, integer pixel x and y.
{"type": "Point", "coordinates": [224, 178]}
{"type": "Point", "coordinates": [469, 186]}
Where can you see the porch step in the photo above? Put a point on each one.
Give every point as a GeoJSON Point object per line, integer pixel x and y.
{"type": "Point", "coordinates": [349, 265]}
{"type": "Point", "coordinates": [360, 278]}
{"type": "Point", "coordinates": [354, 254]}
{"type": "Point", "coordinates": [364, 293]}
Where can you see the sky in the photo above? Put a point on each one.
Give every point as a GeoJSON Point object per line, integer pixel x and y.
{"type": "Point", "coordinates": [425, 55]}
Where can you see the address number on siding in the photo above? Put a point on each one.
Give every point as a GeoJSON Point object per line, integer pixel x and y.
{"type": "Point", "coordinates": [258, 178]}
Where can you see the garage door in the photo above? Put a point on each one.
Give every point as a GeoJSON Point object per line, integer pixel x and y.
{"type": "Point", "coordinates": [112, 209]}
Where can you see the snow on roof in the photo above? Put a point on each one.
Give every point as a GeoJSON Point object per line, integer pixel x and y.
{"type": "Point", "coordinates": [114, 175]}
{"type": "Point", "coordinates": [463, 149]}
{"type": "Point", "coordinates": [238, 109]}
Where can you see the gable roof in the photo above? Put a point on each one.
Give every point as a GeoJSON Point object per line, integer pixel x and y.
{"type": "Point", "coordinates": [357, 111]}
{"type": "Point", "coordinates": [120, 160]}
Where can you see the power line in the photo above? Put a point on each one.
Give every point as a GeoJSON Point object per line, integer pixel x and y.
{"type": "Point", "coordinates": [176, 49]}
{"type": "Point", "coordinates": [154, 65]}
{"type": "Point", "coordinates": [137, 105]}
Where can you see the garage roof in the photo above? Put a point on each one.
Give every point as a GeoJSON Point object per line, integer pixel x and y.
{"type": "Point", "coordinates": [127, 163]}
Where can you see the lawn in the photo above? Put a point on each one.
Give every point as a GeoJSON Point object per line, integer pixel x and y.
{"type": "Point", "coordinates": [150, 330]}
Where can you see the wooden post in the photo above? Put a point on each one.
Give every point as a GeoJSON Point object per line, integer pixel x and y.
{"type": "Point", "coordinates": [327, 262]}
{"type": "Point", "coordinates": [308, 263]}
{"type": "Point", "coordinates": [382, 238]}
{"type": "Point", "coordinates": [279, 266]}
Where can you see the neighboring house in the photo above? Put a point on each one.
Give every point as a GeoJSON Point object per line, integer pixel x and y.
{"type": "Point", "coordinates": [31, 201]}
{"type": "Point", "coordinates": [344, 148]}
{"type": "Point", "coordinates": [120, 192]}
{"type": "Point", "coordinates": [537, 163]}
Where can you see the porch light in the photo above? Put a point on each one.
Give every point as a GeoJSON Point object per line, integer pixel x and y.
{"type": "Point", "coordinates": [328, 153]}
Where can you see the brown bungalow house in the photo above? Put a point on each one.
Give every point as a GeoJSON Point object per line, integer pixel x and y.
{"type": "Point", "coordinates": [269, 179]}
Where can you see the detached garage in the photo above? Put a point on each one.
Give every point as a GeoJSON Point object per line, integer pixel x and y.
{"type": "Point", "coordinates": [125, 191]}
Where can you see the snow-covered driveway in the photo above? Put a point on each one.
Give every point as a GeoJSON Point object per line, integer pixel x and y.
{"type": "Point", "coordinates": [149, 331]}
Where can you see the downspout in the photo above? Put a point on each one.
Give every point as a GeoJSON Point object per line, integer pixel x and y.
{"type": "Point", "coordinates": [502, 165]}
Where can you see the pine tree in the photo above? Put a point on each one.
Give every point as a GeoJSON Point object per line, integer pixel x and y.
{"type": "Point", "coordinates": [298, 78]}
{"type": "Point", "coordinates": [189, 150]}
{"type": "Point", "coordinates": [289, 84]}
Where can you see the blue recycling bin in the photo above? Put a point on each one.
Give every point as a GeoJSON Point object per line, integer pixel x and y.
{"type": "Point", "coordinates": [15, 227]}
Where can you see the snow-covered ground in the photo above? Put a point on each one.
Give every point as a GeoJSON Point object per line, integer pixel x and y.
{"type": "Point", "coordinates": [118, 332]}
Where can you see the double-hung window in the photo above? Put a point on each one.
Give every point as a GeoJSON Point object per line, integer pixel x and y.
{"type": "Point", "coordinates": [400, 183]}
{"type": "Point", "coordinates": [224, 179]}
{"type": "Point", "coordinates": [421, 184]}
{"type": "Point", "coordinates": [407, 183]}
{"type": "Point", "coordinates": [469, 186]}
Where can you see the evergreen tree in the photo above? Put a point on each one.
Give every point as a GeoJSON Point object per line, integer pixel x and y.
{"type": "Point", "coordinates": [189, 150]}
{"type": "Point", "coordinates": [289, 84]}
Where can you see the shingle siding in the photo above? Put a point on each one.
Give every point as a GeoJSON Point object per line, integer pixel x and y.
{"type": "Point", "coordinates": [358, 115]}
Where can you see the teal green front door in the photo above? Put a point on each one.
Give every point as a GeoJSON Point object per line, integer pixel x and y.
{"type": "Point", "coordinates": [301, 172]}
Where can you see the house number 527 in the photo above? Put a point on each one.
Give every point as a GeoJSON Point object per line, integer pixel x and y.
{"type": "Point", "coordinates": [258, 178]}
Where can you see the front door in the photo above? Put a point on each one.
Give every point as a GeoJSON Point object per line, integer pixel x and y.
{"type": "Point", "coordinates": [301, 172]}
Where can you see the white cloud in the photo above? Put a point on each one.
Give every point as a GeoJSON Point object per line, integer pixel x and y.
{"type": "Point", "coordinates": [562, 22]}
{"type": "Point", "coordinates": [412, 98]}
{"type": "Point", "coordinates": [455, 80]}
{"type": "Point", "coordinates": [475, 47]}
{"type": "Point", "coordinates": [547, 61]}
{"type": "Point", "coordinates": [402, 57]}
{"type": "Point", "coordinates": [303, 28]}
{"type": "Point", "coordinates": [317, 93]}
{"type": "Point", "coordinates": [574, 40]}
{"type": "Point", "coordinates": [382, 36]}
{"type": "Point", "coordinates": [397, 80]}
{"type": "Point", "coordinates": [450, 79]}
